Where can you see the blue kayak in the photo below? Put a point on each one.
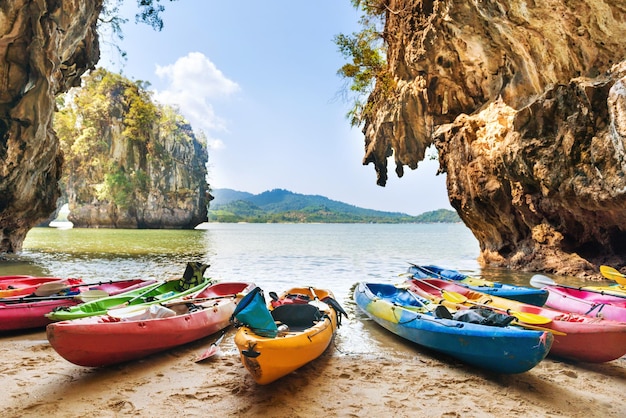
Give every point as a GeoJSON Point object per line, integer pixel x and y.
{"type": "Point", "coordinates": [524, 294]}
{"type": "Point", "coordinates": [501, 349]}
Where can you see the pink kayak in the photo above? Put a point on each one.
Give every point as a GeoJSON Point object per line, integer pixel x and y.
{"type": "Point", "coordinates": [587, 303]}
{"type": "Point", "coordinates": [576, 337]}
{"type": "Point", "coordinates": [19, 313]}
{"type": "Point", "coordinates": [104, 340]}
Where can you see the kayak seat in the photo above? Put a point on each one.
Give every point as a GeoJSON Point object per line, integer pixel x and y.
{"type": "Point", "coordinates": [442, 312]}
{"type": "Point", "coordinates": [297, 317]}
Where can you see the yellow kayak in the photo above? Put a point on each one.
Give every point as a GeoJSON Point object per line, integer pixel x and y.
{"type": "Point", "coordinates": [295, 329]}
{"type": "Point", "coordinates": [615, 290]}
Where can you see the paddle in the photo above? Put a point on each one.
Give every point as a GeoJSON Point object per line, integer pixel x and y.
{"type": "Point", "coordinates": [317, 302]}
{"type": "Point", "coordinates": [212, 350]}
{"type": "Point", "coordinates": [555, 332]}
{"type": "Point", "coordinates": [123, 311]}
{"type": "Point", "coordinates": [181, 301]}
{"type": "Point", "coordinates": [83, 297]}
{"type": "Point", "coordinates": [455, 297]}
{"type": "Point", "coordinates": [613, 274]}
{"type": "Point", "coordinates": [48, 289]}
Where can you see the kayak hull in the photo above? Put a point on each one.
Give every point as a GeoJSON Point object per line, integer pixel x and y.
{"type": "Point", "coordinates": [98, 341]}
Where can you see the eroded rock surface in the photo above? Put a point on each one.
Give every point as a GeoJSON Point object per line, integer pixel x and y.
{"type": "Point", "coordinates": [45, 46]}
{"type": "Point", "coordinates": [525, 102]}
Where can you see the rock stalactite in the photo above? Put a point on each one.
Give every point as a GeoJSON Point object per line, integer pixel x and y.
{"type": "Point", "coordinates": [525, 103]}
{"type": "Point", "coordinates": [45, 46]}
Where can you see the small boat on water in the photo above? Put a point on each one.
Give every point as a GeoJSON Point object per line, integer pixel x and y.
{"type": "Point", "coordinates": [191, 283]}
{"type": "Point", "coordinates": [27, 312]}
{"type": "Point", "coordinates": [295, 330]}
{"type": "Point", "coordinates": [13, 286]}
{"type": "Point", "coordinates": [97, 341]}
{"type": "Point", "coordinates": [581, 301]}
{"type": "Point", "coordinates": [501, 349]}
{"type": "Point", "coordinates": [523, 294]}
{"type": "Point", "coordinates": [576, 337]}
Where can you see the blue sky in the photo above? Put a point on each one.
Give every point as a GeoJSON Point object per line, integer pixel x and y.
{"type": "Point", "coordinates": [260, 79]}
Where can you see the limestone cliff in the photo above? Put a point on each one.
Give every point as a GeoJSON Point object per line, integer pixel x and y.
{"type": "Point", "coordinates": [45, 46]}
{"type": "Point", "coordinates": [525, 102]}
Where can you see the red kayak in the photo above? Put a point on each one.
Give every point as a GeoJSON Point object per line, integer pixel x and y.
{"type": "Point", "coordinates": [104, 340]}
{"type": "Point", "coordinates": [586, 339]}
{"type": "Point", "coordinates": [11, 286]}
{"type": "Point", "coordinates": [18, 313]}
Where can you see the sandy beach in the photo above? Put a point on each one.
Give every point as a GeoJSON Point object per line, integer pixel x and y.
{"type": "Point", "coordinates": [404, 381]}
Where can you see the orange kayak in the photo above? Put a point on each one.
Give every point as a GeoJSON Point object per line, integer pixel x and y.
{"type": "Point", "coordinates": [298, 329]}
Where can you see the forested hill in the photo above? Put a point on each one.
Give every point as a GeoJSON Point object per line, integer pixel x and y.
{"type": "Point", "coordinates": [280, 205]}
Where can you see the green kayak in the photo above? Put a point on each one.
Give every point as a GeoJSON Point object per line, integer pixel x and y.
{"type": "Point", "coordinates": [191, 283]}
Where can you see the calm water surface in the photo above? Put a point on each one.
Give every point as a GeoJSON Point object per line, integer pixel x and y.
{"type": "Point", "coordinates": [274, 256]}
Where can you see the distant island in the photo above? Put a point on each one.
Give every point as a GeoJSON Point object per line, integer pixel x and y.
{"type": "Point", "coordinates": [283, 206]}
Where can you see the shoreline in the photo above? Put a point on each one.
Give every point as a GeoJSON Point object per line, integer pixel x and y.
{"type": "Point", "coordinates": [403, 381]}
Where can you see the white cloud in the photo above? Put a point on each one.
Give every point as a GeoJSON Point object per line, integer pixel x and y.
{"type": "Point", "coordinates": [193, 82]}
{"type": "Point", "coordinates": [216, 144]}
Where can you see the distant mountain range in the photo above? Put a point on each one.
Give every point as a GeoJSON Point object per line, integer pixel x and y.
{"type": "Point", "coordinates": [282, 206]}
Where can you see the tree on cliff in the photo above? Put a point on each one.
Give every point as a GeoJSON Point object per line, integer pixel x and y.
{"type": "Point", "coordinates": [129, 162]}
{"type": "Point", "coordinates": [367, 64]}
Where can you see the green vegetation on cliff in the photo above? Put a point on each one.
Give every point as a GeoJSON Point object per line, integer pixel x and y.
{"type": "Point", "coordinates": [281, 206]}
{"type": "Point", "coordinates": [129, 161]}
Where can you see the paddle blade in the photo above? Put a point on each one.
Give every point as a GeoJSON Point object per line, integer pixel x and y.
{"type": "Point", "coordinates": [212, 350]}
{"type": "Point", "coordinates": [541, 281]}
{"type": "Point", "coordinates": [531, 318]}
{"type": "Point", "coordinates": [48, 289]}
{"type": "Point", "coordinates": [91, 295]}
{"type": "Point", "coordinates": [453, 297]}
{"type": "Point", "coordinates": [612, 274]}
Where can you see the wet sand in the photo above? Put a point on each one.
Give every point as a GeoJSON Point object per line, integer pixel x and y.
{"type": "Point", "coordinates": [402, 381]}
